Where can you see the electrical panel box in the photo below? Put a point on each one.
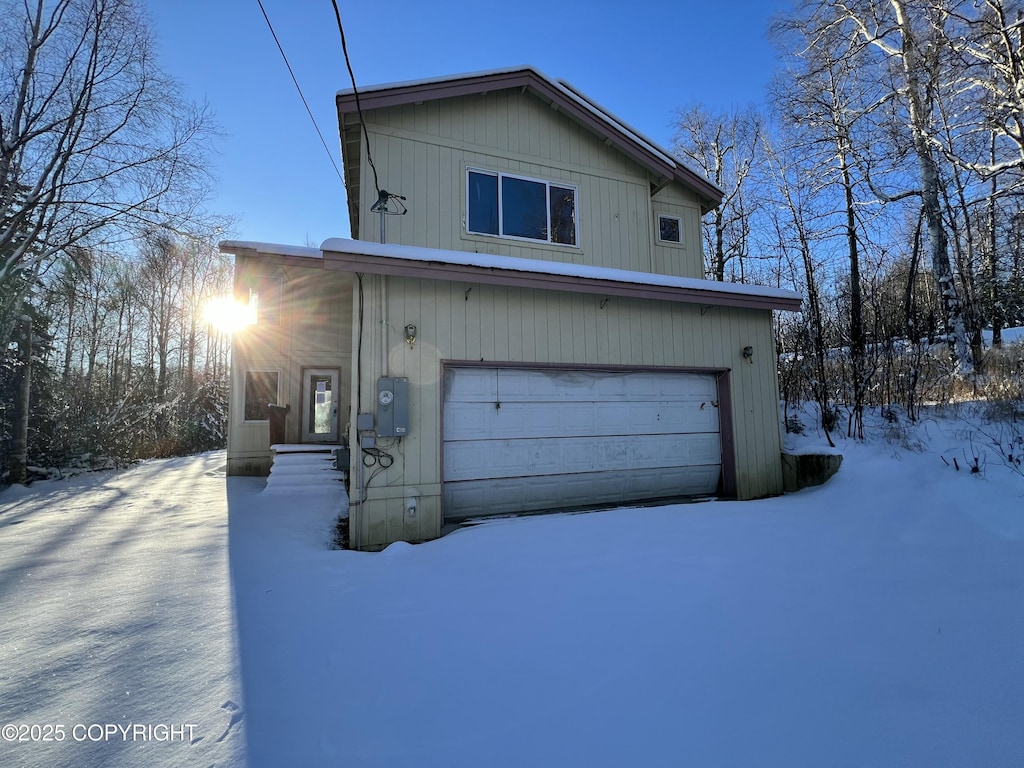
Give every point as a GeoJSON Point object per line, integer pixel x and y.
{"type": "Point", "coordinates": [392, 406]}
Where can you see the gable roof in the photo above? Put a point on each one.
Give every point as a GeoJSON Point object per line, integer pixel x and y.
{"type": "Point", "coordinates": [557, 93]}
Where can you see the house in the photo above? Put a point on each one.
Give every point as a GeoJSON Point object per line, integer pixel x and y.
{"type": "Point", "coordinates": [534, 333]}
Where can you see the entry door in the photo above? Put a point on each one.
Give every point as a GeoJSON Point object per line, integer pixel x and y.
{"type": "Point", "coordinates": [320, 405]}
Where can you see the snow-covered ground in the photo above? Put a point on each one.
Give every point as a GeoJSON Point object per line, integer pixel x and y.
{"type": "Point", "coordinates": [1008, 335]}
{"type": "Point", "coordinates": [877, 620]}
{"type": "Point", "coordinates": [116, 608]}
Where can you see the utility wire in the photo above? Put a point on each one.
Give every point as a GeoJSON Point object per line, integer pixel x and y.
{"type": "Point", "coordinates": [301, 95]}
{"type": "Point", "coordinates": [355, 91]}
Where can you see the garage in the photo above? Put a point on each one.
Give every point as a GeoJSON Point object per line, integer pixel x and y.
{"type": "Point", "coordinates": [518, 439]}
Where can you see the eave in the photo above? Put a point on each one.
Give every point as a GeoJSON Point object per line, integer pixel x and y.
{"type": "Point", "coordinates": [357, 256]}
{"type": "Point", "coordinates": [426, 263]}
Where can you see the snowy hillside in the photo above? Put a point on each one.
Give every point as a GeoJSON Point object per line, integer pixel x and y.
{"type": "Point", "coordinates": [874, 621]}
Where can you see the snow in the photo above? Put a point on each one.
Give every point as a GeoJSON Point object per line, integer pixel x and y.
{"type": "Point", "coordinates": [1009, 335]}
{"type": "Point", "coordinates": [877, 620]}
{"type": "Point", "coordinates": [492, 261]}
{"type": "Point", "coordinates": [539, 266]}
{"type": "Point", "coordinates": [276, 249]}
{"type": "Point", "coordinates": [117, 606]}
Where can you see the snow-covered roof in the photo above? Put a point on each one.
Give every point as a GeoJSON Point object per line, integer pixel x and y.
{"type": "Point", "coordinates": [466, 266]}
{"type": "Point", "coordinates": [273, 249]}
{"type": "Point", "coordinates": [540, 267]}
{"type": "Point", "coordinates": [554, 274]}
{"type": "Point", "coordinates": [436, 80]}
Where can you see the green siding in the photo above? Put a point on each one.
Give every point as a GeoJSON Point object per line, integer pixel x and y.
{"type": "Point", "coordinates": [315, 332]}
{"type": "Point", "coordinates": [458, 321]}
{"type": "Point", "coordinates": [423, 151]}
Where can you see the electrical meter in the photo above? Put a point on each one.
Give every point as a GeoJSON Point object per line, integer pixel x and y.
{"type": "Point", "coordinates": [392, 406]}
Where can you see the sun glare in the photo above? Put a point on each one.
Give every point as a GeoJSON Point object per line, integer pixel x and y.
{"type": "Point", "coordinates": [228, 315]}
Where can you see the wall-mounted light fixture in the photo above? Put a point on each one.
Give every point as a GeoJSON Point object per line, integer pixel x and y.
{"type": "Point", "coordinates": [410, 335]}
{"type": "Point", "coordinates": [748, 354]}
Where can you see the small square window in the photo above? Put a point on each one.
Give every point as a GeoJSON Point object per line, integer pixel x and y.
{"type": "Point", "coordinates": [670, 229]}
{"type": "Point", "coordinates": [260, 391]}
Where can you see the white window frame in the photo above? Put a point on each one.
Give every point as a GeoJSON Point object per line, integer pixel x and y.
{"type": "Point", "coordinates": [657, 224]}
{"type": "Point", "coordinates": [547, 208]}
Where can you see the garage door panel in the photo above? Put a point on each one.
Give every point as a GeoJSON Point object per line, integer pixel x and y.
{"type": "Point", "coordinates": [533, 439]}
{"type": "Point", "coordinates": [528, 457]}
{"type": "Point", "coordinates": [470, 384]}
{"type": "Point", "coordinates": [524, 385]}
{"type": "Point", "coordinates": [482, 420]}
{"type": "Point", "coordinates": [479, 498]}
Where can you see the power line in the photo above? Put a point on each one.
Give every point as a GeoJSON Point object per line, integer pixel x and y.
{"type": "Point", "coordinates": [355, 91]}
{"type": "Point", "coordinates": [301, 95]}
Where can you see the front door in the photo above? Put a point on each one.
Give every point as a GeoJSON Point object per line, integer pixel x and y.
{"type": "Point", "coordinates": [320, 405]}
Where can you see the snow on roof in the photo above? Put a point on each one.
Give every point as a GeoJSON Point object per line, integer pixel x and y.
{"type": "Point", "coordinates": [442, 79]}
{"type": "Point", "coordinates": [537, 266]}
{"type": "Point", "coordinates": [230, 246]}
{"type": "Point", "coordinates": [568, 91]}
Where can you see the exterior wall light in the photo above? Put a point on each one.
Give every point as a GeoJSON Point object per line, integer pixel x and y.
{"type": "Point", "coordinates": [410, 335]}
{"type": "Point", "coordinates": [748, 354]}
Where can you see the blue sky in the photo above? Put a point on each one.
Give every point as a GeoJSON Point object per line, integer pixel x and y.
{"type": "Point", "coordinates": [274, 175]}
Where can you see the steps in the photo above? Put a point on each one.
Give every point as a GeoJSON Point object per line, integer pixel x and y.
{"type": "Point", "coordinates": [304, 469]}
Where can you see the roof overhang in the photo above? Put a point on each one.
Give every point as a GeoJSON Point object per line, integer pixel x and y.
{"type": "Point", "coordinates": [664, 167]}
{"type": "Point", "coordinates": [358, 256]}
{"type": "Point", "coordinates": [283, 255]}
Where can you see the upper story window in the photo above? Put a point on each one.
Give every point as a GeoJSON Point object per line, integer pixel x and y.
{"type": "Point", "coordinates": [513, 206]}
{"type": "Point", "coordinates": [670, 228]}
{"type": "Point", "coordinates": [265, 299]}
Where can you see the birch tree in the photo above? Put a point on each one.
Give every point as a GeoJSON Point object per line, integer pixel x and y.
{"type": "Point", "coordinates": [911, 36]}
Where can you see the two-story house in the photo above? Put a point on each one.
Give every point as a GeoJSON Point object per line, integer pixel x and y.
{"type": "Point", "coordinates": [534, 333]}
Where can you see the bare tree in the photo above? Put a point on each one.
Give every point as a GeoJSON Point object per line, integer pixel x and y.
{"type": "Point", "coordinates": [93, 136]}
{"type": "Point", "coordinates": [987, 48]}
{"type": "Point", "coordinates": [725, 148]}
{"type": "Point", "coordinates": [911, 35]}
{"type": "Point", "coordinates": [797, 221]}
{"type": "Point", "coordinates": [828, 109]}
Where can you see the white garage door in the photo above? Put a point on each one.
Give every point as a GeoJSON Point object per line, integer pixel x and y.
{"type": "Point", "coordinates": [518, 440]}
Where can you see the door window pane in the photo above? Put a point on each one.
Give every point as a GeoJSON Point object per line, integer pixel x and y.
{"type": "Point", "coordinates": [321, 405]}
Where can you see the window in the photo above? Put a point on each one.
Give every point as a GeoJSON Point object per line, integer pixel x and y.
{"type": "Point", "coordinates": [511, 206]}
{"type": "Point", "coordinates": [260, 391]}
{"type": "Point", "coordinates": [265, 298]}
{"type": "Point", "coordinates": [670, 229]}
